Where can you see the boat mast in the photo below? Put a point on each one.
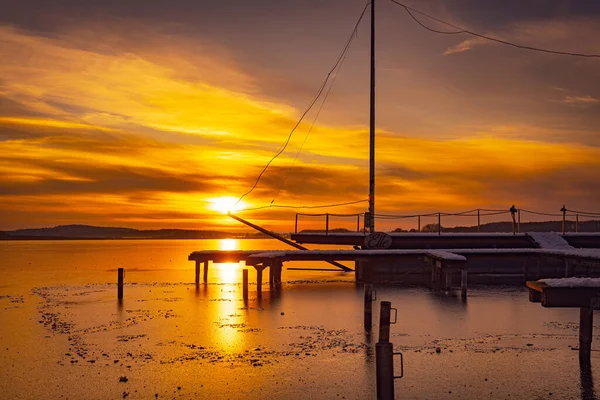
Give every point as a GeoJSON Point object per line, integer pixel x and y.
{"type": "Point", "coordinates": [372, 127]}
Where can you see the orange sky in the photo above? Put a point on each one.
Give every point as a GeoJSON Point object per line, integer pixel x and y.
{"type": "Point", "coordinates": [148, 126]}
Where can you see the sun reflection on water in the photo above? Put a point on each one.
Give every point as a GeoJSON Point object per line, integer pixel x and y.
{"type": "Point", "coordinates": [229, 244]}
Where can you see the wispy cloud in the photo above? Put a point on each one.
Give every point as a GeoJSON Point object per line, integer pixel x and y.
{"type": "Point", "coordinates": [583, 101]}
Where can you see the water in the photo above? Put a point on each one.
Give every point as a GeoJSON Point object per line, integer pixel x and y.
{"type": "Point", "coordinates": [63, 333]}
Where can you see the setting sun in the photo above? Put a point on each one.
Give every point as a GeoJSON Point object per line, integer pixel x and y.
{"type": "Point", "coordinates": [225, 204]}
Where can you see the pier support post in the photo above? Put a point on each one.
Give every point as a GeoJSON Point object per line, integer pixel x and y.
{"type": "Point", "coordinates": [245, 284]}
{"type": "Point", "coordinates": [120, 276]}
{"type": "Point", "coordinates": [463, 283]}
{"type": "Point", "coordinates": [368, 317]}
{"type": "Point", "coordinates": [206, 271]}
{"type": "Point", "coordinates": [197, 272]}
{"type": "Point", "coordinates": [384, 356]}
{"type": "Point", "coordinates": [448, 281]}
{"type": "Point", "coordinates": [277, 266]}
{"type": "Point", "coordinates": [586, 322]}
{"type": "Point", "coordinates": [434, 276]}
{"type": "Point", "coordinates": [259, 271]}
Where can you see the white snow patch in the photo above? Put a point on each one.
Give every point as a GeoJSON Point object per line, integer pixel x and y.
{"type": "Point", "coordinates": [550, 240]}
{"type": "Point", "coordinates": [572, 282]}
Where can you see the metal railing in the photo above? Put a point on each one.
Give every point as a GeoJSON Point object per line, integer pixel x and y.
{"type": "Point", "coordinates": [514, 212]}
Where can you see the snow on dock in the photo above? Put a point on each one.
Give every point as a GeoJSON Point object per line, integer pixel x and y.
{"type": "Point", "coordinates": [572, 282]}
{"type": "Point", "coordinates": [550, 240]}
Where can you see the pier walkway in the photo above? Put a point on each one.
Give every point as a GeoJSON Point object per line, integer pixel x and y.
{"type": "Point", "coordinates": [443, 264]}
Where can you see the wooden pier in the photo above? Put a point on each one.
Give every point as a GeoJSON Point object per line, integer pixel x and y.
{"type": "Point", "coordinates": [571, 293]}
{"type": "Point", "coordinates": [422, 240]}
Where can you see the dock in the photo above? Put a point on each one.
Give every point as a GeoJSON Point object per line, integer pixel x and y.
{"type": "Point", "coordinates": [582, 293]}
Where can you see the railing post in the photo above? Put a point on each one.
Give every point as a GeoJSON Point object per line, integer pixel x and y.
{"type": "Point", "coordinates": [419, 223]}
{"type": "Point", "coordinates": [296, 224]}
{"type": "Point", "coordinates": [478, 221]}
{"type": "Point", "coordinates": [327, 223]}
{"type": "Point", "coordinates": [384, 356]}
{"type": "Point", "coordinates": [439, 223]}
{"type": "Point", "coordinates": [513, 211]}
{"type": "Point", "coordinates": [120, 276]}
{"type": "Point", "coordinates": [564, 218]}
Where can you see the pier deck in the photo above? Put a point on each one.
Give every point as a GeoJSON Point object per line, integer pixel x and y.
{"type": "Point", "coordinates": [582, 293]}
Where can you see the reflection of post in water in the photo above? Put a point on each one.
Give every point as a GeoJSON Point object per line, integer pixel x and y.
{"type": "Point", "coordinates": [587, 381]}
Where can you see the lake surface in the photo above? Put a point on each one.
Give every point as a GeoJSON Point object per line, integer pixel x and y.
{"type": "Point", "coordinates": [63, 334]}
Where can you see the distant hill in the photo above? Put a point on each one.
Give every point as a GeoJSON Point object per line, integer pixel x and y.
{"type": "Point", "coordinates": [98, 232]}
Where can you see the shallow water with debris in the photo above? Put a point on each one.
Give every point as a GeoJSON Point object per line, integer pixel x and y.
{"type": "Point", "coordinates": [65, 335]}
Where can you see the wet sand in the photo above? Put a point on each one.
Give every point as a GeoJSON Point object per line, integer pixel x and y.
{"type": "Point", "coordinates": [64, 334]}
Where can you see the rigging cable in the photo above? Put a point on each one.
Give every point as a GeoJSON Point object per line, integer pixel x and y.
{"type": "Point", "coordinates": [310, 106]}
{"type": "Point", "coordinates": [472, 33]}
{"type": "Point", "coordinates": [319, 206]}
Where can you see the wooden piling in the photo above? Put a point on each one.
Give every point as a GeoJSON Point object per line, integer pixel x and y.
{"type": "Point", "coordinates": [245, 284]}
{"type": "Point", "coordinates": [478, 221]}
{"type": "Point", "coordinates": [296, 224]}
{"type": "Point", "coordinates": [384, 321]}
{"type": "Point", "coordinates": [384, 355]}
{"type": "Point", "coordinates": [439, 223]}
{"type": "Point", "coordinates": [197, 272]}
{"type": "Point", "coordinates": [463, 283]}
{"type": "Point", "coordinates": [368, 315]}
{"type": "Point", "coordinates": [434, 275]}
{"type": "Point", "coordinates": [206, 271]}
{"type": "Point", "coordinates": [448, 281]}
{"type": "Point", "coordinates": [586, 322]}
{"type": "Point", "coordinates": [259, 271]}
{"type": "Point", "coordinates": [120, 276]}
{"type": "Point", "coordinates": [327, 223]}
{"type": "Point", "coordinates": [418, 223]}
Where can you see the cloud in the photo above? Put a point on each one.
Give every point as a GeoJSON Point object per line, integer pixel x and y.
{"type": "Point", "coordinates": [465, 45]}
{"type": "Point", "coordinates": [583, 101]}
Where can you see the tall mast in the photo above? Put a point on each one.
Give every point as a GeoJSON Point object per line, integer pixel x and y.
{"type": "Point", "coordinates": [372, 127]}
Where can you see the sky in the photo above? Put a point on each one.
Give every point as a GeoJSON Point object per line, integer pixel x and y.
{"type": "Point", "coordinates": [155, 114]}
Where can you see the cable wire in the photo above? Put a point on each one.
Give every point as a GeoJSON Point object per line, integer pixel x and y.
{"type": "Point", "coordinates": [310, 106]}
{"type": "Point", "coordinates": [461, 30]}
{"type": "Point", "coordinates": [303, 207]}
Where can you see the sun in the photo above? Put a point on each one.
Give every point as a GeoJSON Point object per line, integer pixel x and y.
{"type": "Point", "coordinates": [225, 204]}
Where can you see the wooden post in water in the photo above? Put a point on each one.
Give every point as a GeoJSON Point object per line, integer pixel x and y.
{"type": "Point", "coordinates": [368, 317]}
{"type": "Point", "coordinates": [419, 223]}
{"type": "Point", "coordinates": [586, 323]}
{"type": "Point", "coordinates": [327, 223]}
{"type": "Point", "coordinates": [296, 224]}
{"type": "Point", "coordinates": [384, 356]}
{"type": "Point", "coordinates": [259, 271]}
{"type": "Point", "coordinates": [478, 221]}
{"type": "Point", "coordinates": [206, 271]}
{"type": "Point", "coordinates": [197, 272]}
{"type": "Point", "coordinates": [120, 276]}
{"type": "Point", "coordinates": [245, 283]}
{"type": "Point", "coordinates": [439, 223]}
{"type": "Point", "coordinates": [463, 283]}
{"type": "Point", "coordinates": [564, 217]}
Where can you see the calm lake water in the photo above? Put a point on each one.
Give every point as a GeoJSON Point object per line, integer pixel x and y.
{"type": "Point", "coordinates": [63, 333]}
